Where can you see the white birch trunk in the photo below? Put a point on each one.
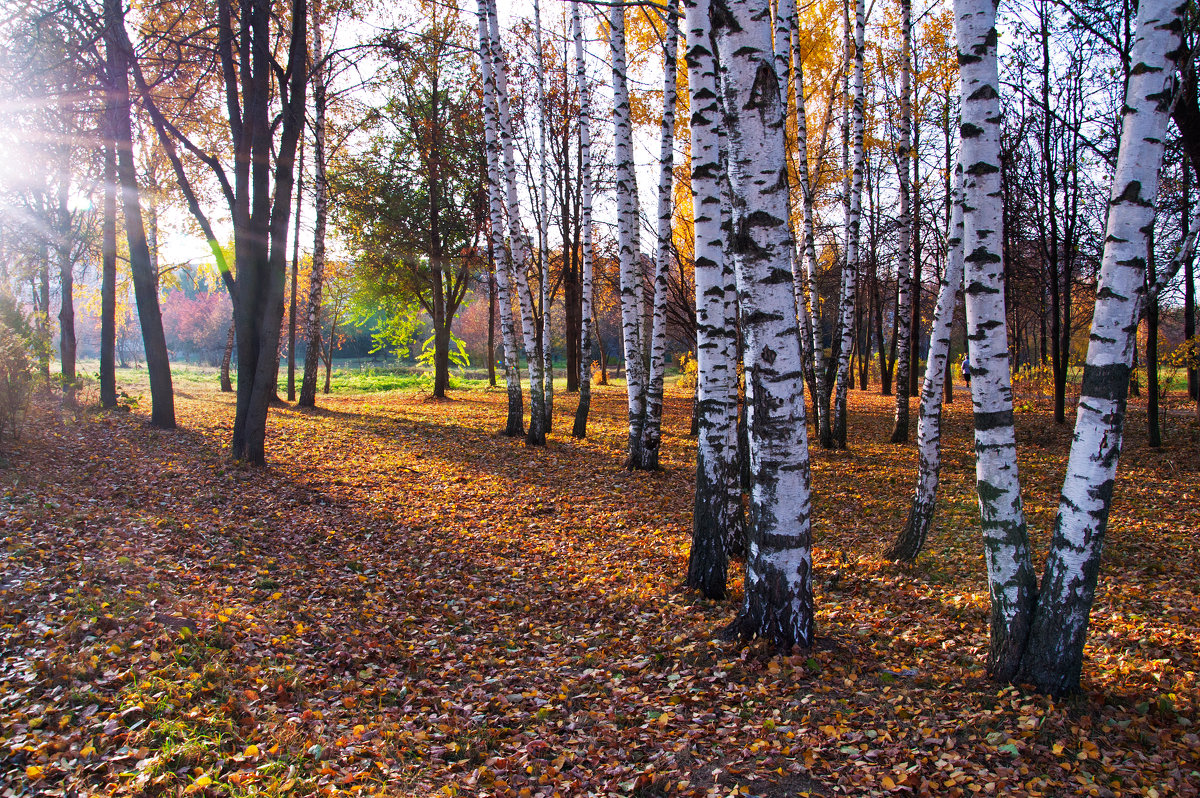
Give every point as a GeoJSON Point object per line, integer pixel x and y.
{"type": "Point", "coordinates": [1002, 517]}
{"type": "Point", "coordinates": [652, 434]}
{"type": "Point", "coordinates": [853, 224]}
{"type": "Point", "coordinates": [905, 334]}
{"type": "Point", "coordinates": [628, 223]}
{"type": "Point", "coordinates": [929, 424]}
{"type": "Point", "coordinates": [779, 602]}
{"type": "Point", "coordinates": [519, 241]}
{"type": "Point", "coordinates": [808, 245]}
{"type": "Point", "coordinates": [717, 515]}
{"type": "Point", "coordinates": [515, 424]}
{"type": "Point", "coordinates": [1053, 660]}
{"type": "Point", "coordinates": [585, 176]}
{"type": "Point", "coordinates": [547, 351]}
{"type": "Point", "coordinates": [320, 81]}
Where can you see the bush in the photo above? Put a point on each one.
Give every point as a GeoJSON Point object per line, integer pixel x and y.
{"type": "Point", "coordinates": [16, 379]}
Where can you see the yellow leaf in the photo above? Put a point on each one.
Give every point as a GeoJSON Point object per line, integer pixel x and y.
{"type": "Point", "coordinates": [34, 772]}
{"type": "Point", "coordinates": [252, 750]}
{"type": "Point", "coordinates": [888, 784]}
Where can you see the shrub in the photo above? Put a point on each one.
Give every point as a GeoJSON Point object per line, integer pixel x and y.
{"type": "Point", "coordinates": [16, 379]}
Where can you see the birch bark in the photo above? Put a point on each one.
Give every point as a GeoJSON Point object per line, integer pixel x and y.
{"type": "Point", "coordinates": [652, 434]}
{"type": "Point", "coordinates": [1053, 660]}
{"type": "Point", "coordinates": [585, 176]}
{"type": "Point", "coordinates": [779, 602]}
{"type": "Point", "coordinates": [718, 505]}
{"type": "Point", "coordinates": [929, 425]}
{"type": "Point", "coordinates": [514, 426]}
{"type": "Point", "coordinates": [1002, 517]}
{"type": "Point", "coordinates": [628, 223]}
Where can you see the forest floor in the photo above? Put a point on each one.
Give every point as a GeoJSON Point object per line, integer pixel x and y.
{"type": "Point", "coordinates": [406, 603]}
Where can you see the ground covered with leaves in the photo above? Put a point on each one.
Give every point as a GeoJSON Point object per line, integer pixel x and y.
{"type": "Point", "coordinates": [406, 603]}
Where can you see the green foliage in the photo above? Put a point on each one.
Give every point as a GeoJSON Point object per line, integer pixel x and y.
{"type": "Point", "coordinates": [16, 372]}
{"type": "Point", "coordinates": [458, 352]}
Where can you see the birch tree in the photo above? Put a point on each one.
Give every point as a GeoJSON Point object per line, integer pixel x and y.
{"type": "Point", "coordinates": [778, 604]}
{"type": "Point", "coordinates": [543, 221]}
{"type": "Point", "coordinates": [905, 332]}
{"type": "Point", "coordinates": [808, 242]}
{"type": "Point", "coordinates": [652, 433]}
{"type": "Point", "coordinates": [929, 424]}
{"type": "Point", "coordinates": [1002, 517]}
{"type": "Point", "coordinates": [320, 85]}
{"type": "Point", "coordinates": [585, 175]}
{"type": "Point", "coordinates": [717, 511]}
{"type": "Point", "coordinates": [853, 226]}
{"type": "Point", "coordinates": [628, 241]}
{"type": "Point", "coordinates": [515, 425]}
{"type": "Point", "coordinates": [518, 240]}
{"type": "Point", "coordinates": [1053, 660]}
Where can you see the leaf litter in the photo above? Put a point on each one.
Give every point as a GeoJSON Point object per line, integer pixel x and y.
{"type": "Point", "coordinates": [406, 603]}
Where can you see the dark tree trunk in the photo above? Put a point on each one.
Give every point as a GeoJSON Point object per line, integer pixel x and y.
{"type": "Point", "coordinates": [1154, 432]}
{"type": "Point", "coordinates": [226, 385]}
{"type": "Point", "coordinates": [295, 278]}
{"type": "Point", "coordinates": [66, 310]}
{"type": "Point", "coordinates": [108, 276]}
{"type": "Point", "coordinates": [145, 281]}
{"type": "Point", "coordinates": [885, 373]}
{"type": "Point", "coordinates": [260, 216]}
{"type": "Point", "coordinates": [1189, 281]}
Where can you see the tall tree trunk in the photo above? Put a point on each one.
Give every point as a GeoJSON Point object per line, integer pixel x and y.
{"type": "Point", "coordinates": [547, 348]}
{"type": "Point", "coordinates": [1154, 430]}
{"type": "Point", "coordinates": [145, 281]}
{"type": "Point", "coordinates": [821, 397]}
{"type": "Point", "coordinates": [108, 274]}
{"type": "Point", "coordinates": [937, 372]}
{"type": "Point", "coordinates": [628, 241]}
{"type": "Point", "coordinates": [906, 331]}
{"type": "Point", "coordinates": [536, 433]}
{"type": "Point", "coordinates": [263, 206]}
{"type": "Point", "coordinates": [585, 176]}
{"type": "Point", "coordinates": [295, 279]}
{"type": "Point", "coordinates": [66, 309]}
{"type": "Point", "coordinates": [717, 512]}
{"type": "Point", "coordinates": [514, 425]}
{"type": "Point", "coordinates": [1189, 284]}
{"type": "Point", "coordinates": [853, 225]}
{"type": "Point", "coordinates": [652, 433]}
{"type": "Point", "coordinates": [316, 280]}
{"type": "Point", "coordinates": [1006, 547]}
{"type": "Point", "coordinates": [778, 605]}
{"type": "Point", "coordinates": [1053, 661]}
